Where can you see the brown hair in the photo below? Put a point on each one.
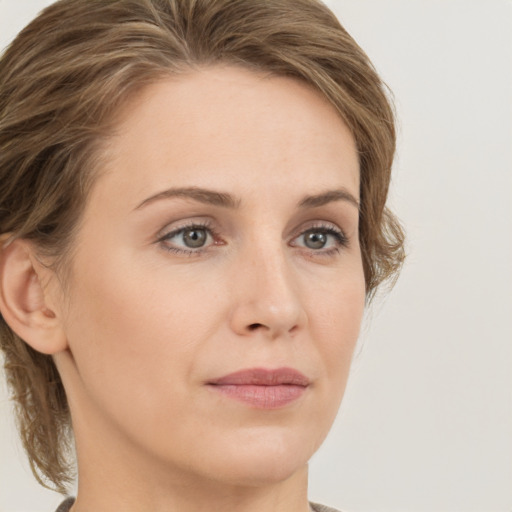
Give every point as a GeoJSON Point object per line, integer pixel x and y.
{"type": "Point", "coordinates": [63, 79]}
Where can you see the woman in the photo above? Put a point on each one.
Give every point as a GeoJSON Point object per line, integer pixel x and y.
{"type": "Point", "coordinates": [192, 209]}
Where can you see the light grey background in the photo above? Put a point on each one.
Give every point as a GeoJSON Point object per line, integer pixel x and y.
{"type": "Point", "coordinates": [426, 423]}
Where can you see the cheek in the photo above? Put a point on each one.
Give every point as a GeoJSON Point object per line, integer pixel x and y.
{"type": "Point", "coordinates": [138, 325]}
{"type": "Point", "coordinates": [336, 322]}
{"type": "Point", "coordinates": [122, 328]}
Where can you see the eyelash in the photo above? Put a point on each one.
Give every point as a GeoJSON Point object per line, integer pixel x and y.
{"type": "Point", "coordinates": [325, 229]}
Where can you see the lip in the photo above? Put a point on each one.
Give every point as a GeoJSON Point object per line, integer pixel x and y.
{"type": "Point", "coordinates": [262, 388]}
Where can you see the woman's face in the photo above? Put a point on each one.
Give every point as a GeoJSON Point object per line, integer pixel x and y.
{"type": "Point", "coordinates": [217, 288]}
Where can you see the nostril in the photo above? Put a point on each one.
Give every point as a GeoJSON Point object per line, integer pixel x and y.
{"type": "Point", "coordinates": [253, 327]}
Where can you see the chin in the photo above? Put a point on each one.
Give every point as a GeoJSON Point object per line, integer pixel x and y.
{"type": "Point", "coordinates": [259, 458]}
{"type": "Point", "coordinates": [259, 471]}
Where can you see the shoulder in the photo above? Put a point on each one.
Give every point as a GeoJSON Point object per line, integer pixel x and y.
{"type": "Point", "coordinates": [316, 507]}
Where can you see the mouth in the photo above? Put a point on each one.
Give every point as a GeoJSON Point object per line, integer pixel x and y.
{"type": "Point", "coordinates": [262, 388]}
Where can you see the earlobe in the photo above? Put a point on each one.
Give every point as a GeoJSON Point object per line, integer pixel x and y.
{"type": "Point", "coordinates": [25, 302]}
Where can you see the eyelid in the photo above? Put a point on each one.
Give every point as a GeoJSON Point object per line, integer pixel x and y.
{"type": "Point", "coordinates": [174, 228]}
{"type": "Point", "coordinates": [319, 225]}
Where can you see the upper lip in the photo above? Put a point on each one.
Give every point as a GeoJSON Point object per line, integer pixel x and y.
{"type": "Point", "coordinates": [263, 377]}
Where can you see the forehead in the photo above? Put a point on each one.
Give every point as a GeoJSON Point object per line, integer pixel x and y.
{"type": "Point", "coordinates": [232, 124]}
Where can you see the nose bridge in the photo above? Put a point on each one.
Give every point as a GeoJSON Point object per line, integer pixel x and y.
{"type": "Point", "coordinates": [268, 294]}
{"type": "Point", "coordinates": [273, 277]}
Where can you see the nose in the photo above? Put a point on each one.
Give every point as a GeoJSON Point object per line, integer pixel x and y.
{"type": "Point", "coordinates": [266, 297]}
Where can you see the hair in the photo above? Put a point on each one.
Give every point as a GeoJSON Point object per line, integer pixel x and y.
{"type": "Point", "coordinates": [64, 78]}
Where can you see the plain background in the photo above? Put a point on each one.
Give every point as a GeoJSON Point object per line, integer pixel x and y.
{"type": "Point", "coordinates": [426, 423]}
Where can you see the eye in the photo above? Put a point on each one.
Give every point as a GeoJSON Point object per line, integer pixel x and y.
{"type": "Point", "coordinates": [188, 239]}
{"type": "Point", "coordinates": [194, 237]}
{"type": "Point", "coordinates": [315, 239]}
{"type": "Point", "coordinates": [322, 239]}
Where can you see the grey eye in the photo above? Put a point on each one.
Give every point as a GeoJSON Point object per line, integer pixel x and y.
{"type": "Point", "coordinates": [315, 239]}
{"type": "Point", "coordinates": [195, 237]}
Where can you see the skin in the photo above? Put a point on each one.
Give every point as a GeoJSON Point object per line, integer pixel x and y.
{"type": "Point", "coordinates": [147, 325]}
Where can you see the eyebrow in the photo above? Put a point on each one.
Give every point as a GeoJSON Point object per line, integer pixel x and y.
{"type": "Point", "coordinates": [197, 194]}
{"type": "Point", "coordinates": [329, 196]}
{"type": "Point", "coordinates": [226, 200]}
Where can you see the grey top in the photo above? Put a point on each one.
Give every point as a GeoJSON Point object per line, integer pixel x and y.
{"type": "Point", "coordinates": [66, 505]}
{"type": "Point", "coordinates": [315, 507]}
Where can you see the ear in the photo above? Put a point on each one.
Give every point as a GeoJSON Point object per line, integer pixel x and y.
{"type": "Point", "coordinates": [26, 301]}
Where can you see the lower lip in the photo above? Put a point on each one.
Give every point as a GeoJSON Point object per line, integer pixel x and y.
{"type": "Point", "coordinates": [262, 397]}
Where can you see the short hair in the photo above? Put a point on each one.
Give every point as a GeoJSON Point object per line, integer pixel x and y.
{"type": "Point", "coordinates": [64, 78]}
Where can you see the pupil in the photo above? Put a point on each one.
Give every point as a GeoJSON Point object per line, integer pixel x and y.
{"type": "Point", "coordinates": [194, 238]}
{"type": "Point", "coordinates": [315, 240]}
